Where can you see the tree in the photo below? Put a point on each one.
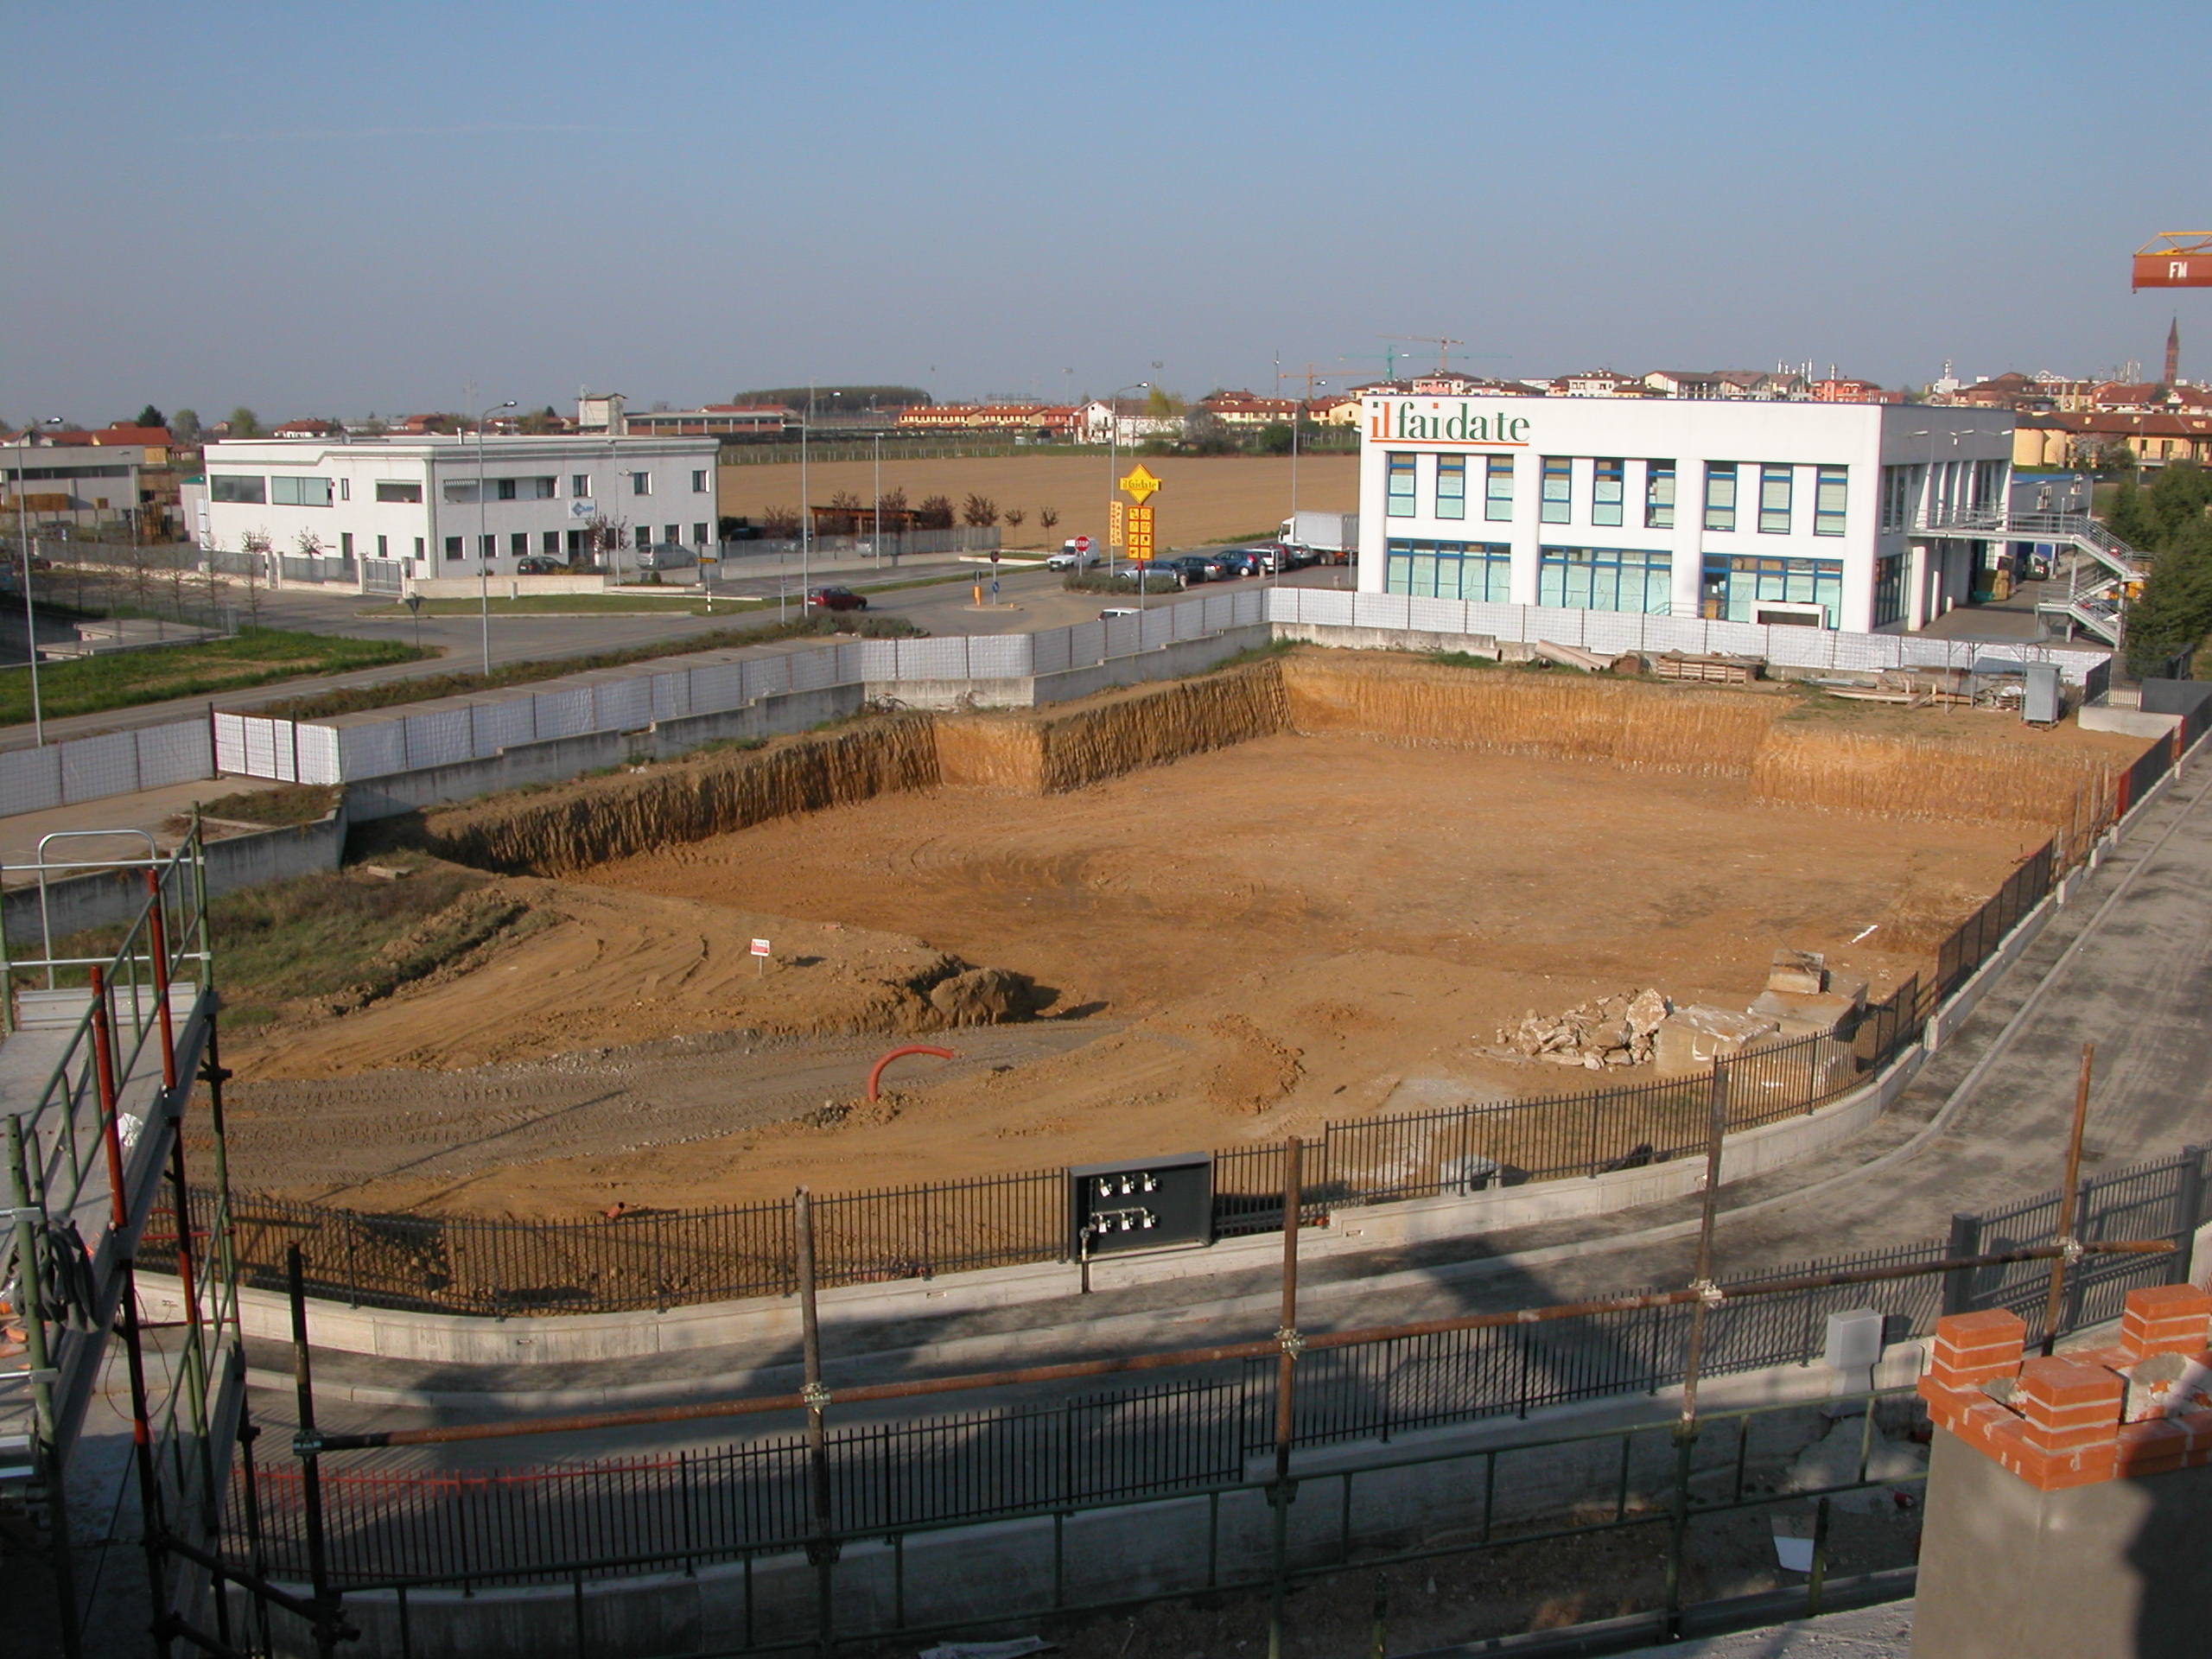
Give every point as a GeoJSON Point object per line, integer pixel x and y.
{"type": "Point", "coordinates": [151, 415]}
{"type": "Point", "coordinates": [255, 545]}
{"type": "Point", "coordinates": [894, 502]}
{"type": "Point", "coordinates": [310, 544]}
{"type": "Point", "coordinates": [979, 512]}
{"type": "Point", "coordinates": [1158, 403]}
{"type": "Point", "coordinates": [244, 423]}
{"type": "Point", "coordinates": [934, 513]}
{"type": "Point", "coordinates": [779, 523]}
{"type": "Point", "coordinates": [1206, 434]}
{"type": "Point", "coordinates": [1014, 518]}
{"type": "Point", "coordinates": [1048, 518]}
{"type": "Point", "coordinates": [1274, 438]}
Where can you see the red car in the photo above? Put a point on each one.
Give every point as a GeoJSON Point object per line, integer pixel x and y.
{"type": "Point", "coordinates": [836, 599]}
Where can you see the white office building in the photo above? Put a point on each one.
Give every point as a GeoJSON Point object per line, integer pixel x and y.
{"type": "Point", "coordinates": [1816, 514]}
{"type": "Point", "coordinates": [403, 509]}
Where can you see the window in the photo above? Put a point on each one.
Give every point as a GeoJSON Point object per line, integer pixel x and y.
{"type": "Point", "coordinates": [699, 481]}
{"type": "Point", "coordinates": [580, 485]}
{"type": "Point", "coordinates": [1558, 500]}
{"type": "Point", "coordinates": [1450, 487]}
{"type": "Point", "coordinates": [384, 547]}
{"type": "Point", "coordinates": [503, 489]}
{"type": "Point", "coordinates": [345, 489]}
{"type": "Point", "coordinates": [459, 490]}
{"type": "Point", "coordinates": [641, 483]}
{"type": "Point", "coordinates": [1497, 489]}
{"type": "Point", "coordinates": [1774, 501]}
{"type": "Point", "coordinates": [549, 543]}
{"type": "Point", "coordinates": [1831, 486]}
{"type": "Point", "coordinates": [346, 546]}
{"type": "Point", "coordinates": [1735, 586]}
{"type": "Point", "coordinates": [1720, 495]}
{"type": "Point", "coordinates": [575, 543]}
{"type": "Point", "coordinates": [453, 547]}
{"type": "Point", "coordinates": [1476, 570]}
{"type": "Point", "coordinates": [518, 543]}
{"type": "Point", "coordinates": [539, 489]}
{"type": "Point", "coordinates": [1658, 495]}
{"type": "Point", "coordinates": [419, 550]}
{"type": "Point", "coordinates": [669, 533]}
{"type": "Point", "coordinates": [389, 489]}
{"type": "Point", "coordinates": [1889, 589]}
{"type": "Point", "coordinates": [1400, 504]}
{"type": "Point", "coordinates": [1608, 481]}
{"type": "Point", "coordinates": [699, 535]}
{"type": "Point", "coordinates": [292, 491]}
{"type": "Point", "coordinates": [236, 486]}
{"type": "Point", "coordinates": [1605, 579]}
{"type": "Point", "coordinates": [644, 538]}
{"type": "Point", "coordinates": [485, 547]}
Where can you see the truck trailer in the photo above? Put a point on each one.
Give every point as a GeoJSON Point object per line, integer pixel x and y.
{"type": "Point", "coordinates": [1330, 537]}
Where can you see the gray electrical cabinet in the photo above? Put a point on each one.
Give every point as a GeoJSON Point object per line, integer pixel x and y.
{"type": "Point", "coordinates": [2042, 705]}
{"type": "Point", "coordinates": [1148, 1205]}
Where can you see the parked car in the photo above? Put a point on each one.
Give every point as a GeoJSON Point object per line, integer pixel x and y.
{"type": "Point", "coordinates": [1164, 576]}
{"type": "Point", "coordinates": [1068, 559]}
{"type": "Point", "coordinates": [836, 599]}
{"type": "Point", "coordinates": [1113, 611]}
{"type": "Point", "coordinates": [539, 565]}
{"type": "Point", "coordinates": [1240, 561]}
{"type": "Point", "coordinates": [1198, 568]}
{"type": "Point", "coordinates": [667, 555]}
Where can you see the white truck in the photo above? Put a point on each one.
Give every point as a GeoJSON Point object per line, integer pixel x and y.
{"type": "Point", "coordinates": [1320, 538]}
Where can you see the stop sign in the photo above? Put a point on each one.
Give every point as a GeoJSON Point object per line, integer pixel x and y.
{"type": "Point", "coordinates": [1083, 544]}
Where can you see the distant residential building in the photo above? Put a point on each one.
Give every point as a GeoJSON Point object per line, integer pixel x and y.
{"type": "Point", "coordinates": [86, 481]}
{"type": "Point", "coordinates": [1843, 389]}
{"type": "Point", "coordinates": [2071, 439]}
{"type": "Point", "coordinates": [1597, 383]}
{"type": "Point", "coordinates": [1125, 422]}
{"type": "Point", "coordinates": [1248, 410]}
{"type": "Point", "coordinates": [311, 427]}
{"type": "Point", "coordinates": [399, 508]}
{"type": "Point", "coordinates": [603, 413]}
{"type": "Point", "coordinates": [1051, 420]}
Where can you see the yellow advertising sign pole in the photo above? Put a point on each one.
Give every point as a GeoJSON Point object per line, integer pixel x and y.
{"type": "Point", "coordinates": [1133, 526]}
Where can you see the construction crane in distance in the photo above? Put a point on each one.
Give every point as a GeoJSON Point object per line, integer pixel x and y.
{"type": "Point", "coordinates": [1444, 343]}
{"type": "Point", "coordinates": [2174, 259]}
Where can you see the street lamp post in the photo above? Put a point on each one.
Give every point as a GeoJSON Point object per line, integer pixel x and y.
{"type": "Point", "coordinates": [877, 541]}
{"type": "Point", "coordinates": [23, 548]}
{"type": "Point", "coordinates": [484, 539]}
{"type": "Point", "coordinates": [806, 511]}
{"type": "Point", "coordinates": [1113, 471]}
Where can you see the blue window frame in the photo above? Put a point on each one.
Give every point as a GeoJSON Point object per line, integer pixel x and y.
{"type": "Point", "coordinates": [1558, 496]}
{"type": "Point", "coordinates": [1658, 495]}
{"type": "Point", "coordinates": [1831, 492]}
{"type": "Point", "coordinates": [1450, 487]}
{"type": "Point", "coordinates": [1497, 488]}
{"type": "Point", "coordinates": [1734, 585]}
{"type": "Point", "coordinates": [1720, 495]}
{"type": "Point", "coordinates": [1774, 501]}
{"type": "Point", "coordinates": [1400, 501]}
{"type": "Point", "coordinates": [1608, 483]}
{"type": "Point", "coordinates": [1479, 570]}
{"type": "Point", "coordinates": [1605, 579]}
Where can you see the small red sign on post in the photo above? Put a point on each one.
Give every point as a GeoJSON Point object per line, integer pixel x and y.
{"type": "Point", "coordinates": [761, 949]}
{"type": "Point", "coordinates": [1083, 544]}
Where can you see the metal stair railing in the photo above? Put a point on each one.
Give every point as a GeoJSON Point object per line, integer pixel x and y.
{"type": "Point", "coordinates": [2077, 528]}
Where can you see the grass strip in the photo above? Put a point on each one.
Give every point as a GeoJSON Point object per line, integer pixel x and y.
{"type": "Point", "coordinates": [124, 679]}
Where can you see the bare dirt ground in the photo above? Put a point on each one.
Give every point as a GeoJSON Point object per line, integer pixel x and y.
{"type": "Point", "coordinates": [1243, 945]}
{"type": "Point", "coordinates": [1201, 499]}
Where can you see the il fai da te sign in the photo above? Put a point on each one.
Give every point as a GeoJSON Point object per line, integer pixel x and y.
{"type": "Point", "coordinates": [1443, 420]}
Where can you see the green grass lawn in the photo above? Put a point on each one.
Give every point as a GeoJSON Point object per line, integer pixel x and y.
{"type": "Point", "coordinates": [124, 679]}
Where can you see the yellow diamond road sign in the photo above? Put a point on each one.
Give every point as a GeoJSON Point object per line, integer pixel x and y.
{"type": "Point", "coordinates": [1139, 483]}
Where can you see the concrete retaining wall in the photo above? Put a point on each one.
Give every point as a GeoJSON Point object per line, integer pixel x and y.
{"type": "Point", "coordinates": [2130, 723]}
{"type": "Point", "coordinates": [101, 898]}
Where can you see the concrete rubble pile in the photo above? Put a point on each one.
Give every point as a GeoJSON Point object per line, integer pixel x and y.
{"type": "Point", "coordinates": [1607, 1031]}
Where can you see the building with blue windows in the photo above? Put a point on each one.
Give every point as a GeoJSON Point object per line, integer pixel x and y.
{"type": "Point", "coordinates": [1821, 514]}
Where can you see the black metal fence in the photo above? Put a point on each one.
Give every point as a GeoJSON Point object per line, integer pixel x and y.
{"type": "Point", "coordinates": [1188, 1434]}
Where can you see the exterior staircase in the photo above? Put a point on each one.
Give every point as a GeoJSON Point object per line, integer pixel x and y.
{"type": "Point", "coordinates": [2093, 597]}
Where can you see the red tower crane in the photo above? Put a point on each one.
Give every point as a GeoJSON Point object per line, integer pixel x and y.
{"type": "Point", "coordinates": [2174, 259]}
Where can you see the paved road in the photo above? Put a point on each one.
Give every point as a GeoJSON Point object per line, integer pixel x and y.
{"type": "Point", "coordinates": [2127, 965]}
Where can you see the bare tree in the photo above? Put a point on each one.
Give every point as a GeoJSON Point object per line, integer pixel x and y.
{"type": "Point", "coordinates": [255, 545]}
{"type": "Point", "coordinates": [892, 501]}
{"type": "Point", "coordinates": [1014, 518]}
{"type": "Point", "coordinates": [779, 523]}
{"type": "Point", "coordinates": [1048, 518]}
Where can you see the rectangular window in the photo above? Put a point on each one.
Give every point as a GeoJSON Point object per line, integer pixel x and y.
{"type": "Point", "coordinates": [580, 485]}
{"type": "Point", "coordinates": [1558, 495]}
{"type": "Point", "coordinates": [539, 489]}
{"type": "Point", "coordinates": [669, 534]}
{"type": "Point", "coordinates": [641, 483]}
{"type": "Point", "coordinates": [238, 487]}
{"type": "Point", "coordinates": [699, 535]}
{"type": "Point", "coordinates": [1481, 571]}
{"type": "Point", "coordinates": [346, 546]}
{"type": "Point", "coordinates": [390, 489]}
{"type": "Point", "coordinates": [549, 543]}
{"type": "Point", "coordinates": [644, 538]}
{"type": "Point", "coordinates": [1608, 482]}
{"type": "Point", "coordinates": [1735, 587]}
{"type": "Point", "coordinates": [486, 548]}
{"type": "Point", "coordinates": [699, 481]}
{"type": "Point", "coordinates": [289, 490]}
{"type": "Point", "coordinates": [459, 490]}
{"type": "Point", "coordinates": [1450, 487]}
{"type": "Point", "coordinates": [384, 546]}
{"type": "Point", "coordinates": [575, 543]}
{"type": "Point", "coordinates": [505, 489]}
{"type": "Point", "coordinates": [1497, 489]}
{"type": "Point", "coordinates": [345, 489]}
{"type": "Point", "coordinates": [1658, 495]}
{"type": "Point", "coordinates": [1889, 589]}
{"type": "Point", "coordinates": [1830, 487]}
{"type": "Point", "coordinates": [518, 543]}
{"type": "Point", "coordinates": [419, 550]}
{"type": "Point", "coordinates": [1605, 579]}
{"type": "Point", "coordinates": [453, 547]}
{"type": "Point", "coordinates": [1774, 501]}
{"type": "Point", "coordinates": [1720, 495]}
{"type": "Point", "coordinates": [1400, 504]}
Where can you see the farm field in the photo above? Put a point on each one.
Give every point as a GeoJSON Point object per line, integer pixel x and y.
{"type": "Point", "coordinates": [1201, 499]}
{"type": "Point", "coordinates": [1310, 925]}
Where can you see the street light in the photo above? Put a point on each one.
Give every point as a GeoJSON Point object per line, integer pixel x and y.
{"type": "Point", "coordinates": [1297, 420]}
{"type": "Point", "coordinates": [483, 539]}
{"type": "Point", "coordinates": [23, 546]}
{"type": "Point", "coordinates": [1113, 471]}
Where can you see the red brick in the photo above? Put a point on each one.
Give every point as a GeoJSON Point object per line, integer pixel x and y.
{"type": "Point", "coordinates": [2151, 1448]}
{"type": "Point", "coordinates": [2166, 1320]}
{"type": "Point", "coordinates": [2058, 1383]}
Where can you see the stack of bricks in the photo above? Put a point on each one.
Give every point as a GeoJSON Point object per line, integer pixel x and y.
{"type": "Point", "coordinates": [2141, 1407]}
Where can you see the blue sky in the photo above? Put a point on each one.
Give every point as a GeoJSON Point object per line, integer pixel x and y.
{"type": "Point", "coordinates": [334, 210]}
